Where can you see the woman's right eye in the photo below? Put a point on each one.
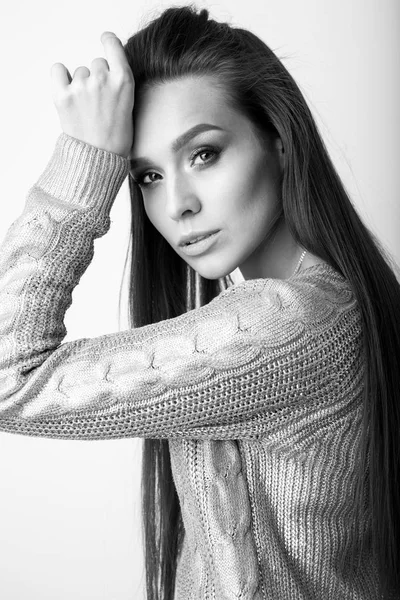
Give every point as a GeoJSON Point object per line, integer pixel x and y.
{"type": "Point", "coordinates": [140, 179]}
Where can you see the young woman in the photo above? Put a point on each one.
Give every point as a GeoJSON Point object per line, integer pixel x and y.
{"type": "Point", "coordinates": [270, 407]}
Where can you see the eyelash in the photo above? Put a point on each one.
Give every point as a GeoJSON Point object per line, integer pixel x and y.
{"type": "Point", "coordinates": [193, 156]}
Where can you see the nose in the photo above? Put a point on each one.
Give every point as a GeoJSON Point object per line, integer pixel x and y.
{"type": "Point", "coordinates": [182, 198]}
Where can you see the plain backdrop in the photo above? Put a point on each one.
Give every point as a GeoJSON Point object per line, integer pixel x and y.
{"type": "Point", "coordinates": [70, 510]}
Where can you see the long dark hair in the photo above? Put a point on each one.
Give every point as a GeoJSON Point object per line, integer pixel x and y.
{"type": "Point", "coordinates": [321, 218]}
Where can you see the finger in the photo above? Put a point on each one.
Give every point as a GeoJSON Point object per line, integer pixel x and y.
{"type": "Point", "coordinates": [81, 73]}
{"type": "Point", "coordinates": [60, 75]}
{"type": "Point", "coordinates": [99, 65]}
{"type": "Point", "coordinates": [114, 52]}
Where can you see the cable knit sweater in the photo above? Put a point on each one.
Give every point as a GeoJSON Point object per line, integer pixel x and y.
{"type": "Point", "coordinates": [259, 394]}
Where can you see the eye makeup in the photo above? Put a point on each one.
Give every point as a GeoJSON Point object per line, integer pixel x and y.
{"type": "Point", "coordinates": [138, 175]}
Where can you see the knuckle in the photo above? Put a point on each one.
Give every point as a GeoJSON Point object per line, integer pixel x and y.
{"type": "Point", "coordinates": [99, 70]}
{"type": "Point", "coordinates": [125, 77]}
{"type": "Point", "coordinates": [99, 77]}
{"type": "Point", "coordinates": [81, 69]}
{"type": "Point", "coordinates": [99, 62]}
{"type": "Point", "coordinates": [78, 86]}
{"type": "Point", "coordinates": [62, 98]}
{"type": "Point", "coordinates": [111, 38]}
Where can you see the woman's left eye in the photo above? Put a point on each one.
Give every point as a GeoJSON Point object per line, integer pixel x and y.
{"type": "Point", "coordinates": [201, 151]}
{"type": "Point", "coordinates": [205, 150]}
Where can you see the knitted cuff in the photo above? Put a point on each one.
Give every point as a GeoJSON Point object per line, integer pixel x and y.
{"type": "Point", "coordinates": [83, 174]}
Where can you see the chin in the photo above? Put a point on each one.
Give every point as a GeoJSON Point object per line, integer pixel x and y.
{"type": "Point", "coordinates": [213, 271]}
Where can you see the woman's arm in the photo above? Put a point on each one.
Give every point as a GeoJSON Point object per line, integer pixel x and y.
{"type": "Point", "coordinates": [233, 368]}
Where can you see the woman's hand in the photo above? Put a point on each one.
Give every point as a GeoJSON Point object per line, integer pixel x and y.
{"type": "Point", "coordinates": [96, 106]}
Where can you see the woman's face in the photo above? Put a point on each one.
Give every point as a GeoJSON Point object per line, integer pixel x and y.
{"type": "Point", "coordinates": [219, 180]}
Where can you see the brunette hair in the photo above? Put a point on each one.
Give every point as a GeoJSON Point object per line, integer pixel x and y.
{"type": "Point", "coordinates": [321, 218]}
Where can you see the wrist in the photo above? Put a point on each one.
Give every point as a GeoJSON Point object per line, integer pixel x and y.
{"type": "Point", "coordinates": [82, 174]}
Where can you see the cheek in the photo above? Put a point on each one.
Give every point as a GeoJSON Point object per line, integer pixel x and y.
{"type": "Point", "coordinates": [151, 213]}
{"type": "Point", "coordinates": [148, 212]}
{"type": "Point", "coordinates": [247, 182]}
{"type": "Point", "coordinates": [253, 198]}
{"type": "Point", "coordinates": [157, 219]}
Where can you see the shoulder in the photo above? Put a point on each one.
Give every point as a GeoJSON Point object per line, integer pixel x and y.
{"type": "Point", "coordinates": [315, 299]}
{"type": "Point", "coordinates": [315, 287]}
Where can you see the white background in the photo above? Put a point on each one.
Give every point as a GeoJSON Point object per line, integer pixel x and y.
{"type": "Point", "coordinates": [69, 510]}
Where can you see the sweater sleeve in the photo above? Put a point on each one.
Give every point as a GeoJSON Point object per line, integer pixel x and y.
{"type": "Point", "coordinates": [230, 369]}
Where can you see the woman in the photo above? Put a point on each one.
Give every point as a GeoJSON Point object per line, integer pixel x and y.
{"type": "Point", "coordinates": [269, 407]}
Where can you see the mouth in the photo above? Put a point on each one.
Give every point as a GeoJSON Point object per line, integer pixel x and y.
{"type": "Point", "coordinates": [200, 244]}
{"type": "Point", "coordinates": [202, 237]}
{"type": "Point", "coordinates": [194, 239]}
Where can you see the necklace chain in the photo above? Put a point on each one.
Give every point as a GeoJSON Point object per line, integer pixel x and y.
{"type": "Point", "coordinates": [300, 261]}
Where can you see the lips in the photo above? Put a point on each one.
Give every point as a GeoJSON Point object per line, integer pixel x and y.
{"type": "Point", "coordinates": [195, 236]}
{"type": "Point", "coordinates": [203, 244]}
{"type": "Point", "coordinates": [202, 237]}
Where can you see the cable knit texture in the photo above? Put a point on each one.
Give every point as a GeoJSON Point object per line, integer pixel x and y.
{"type": "Point", "coordinates": [259, 394]}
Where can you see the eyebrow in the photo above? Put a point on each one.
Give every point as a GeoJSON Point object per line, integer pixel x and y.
{"type": "Point", "coordinates": [179, 143]}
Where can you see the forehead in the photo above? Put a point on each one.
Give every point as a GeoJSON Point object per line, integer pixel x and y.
{"type": "Point", "coordinates": [183, 97]}
{"type": "Point", "coordinates": [163, 111]}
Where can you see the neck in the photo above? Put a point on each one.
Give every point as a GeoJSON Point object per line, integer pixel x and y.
{"type": "Point", "coordinates": [276, 257]}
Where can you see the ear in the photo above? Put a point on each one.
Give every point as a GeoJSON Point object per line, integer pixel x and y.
{"type": "Point", "coordinates": [279, 149]}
